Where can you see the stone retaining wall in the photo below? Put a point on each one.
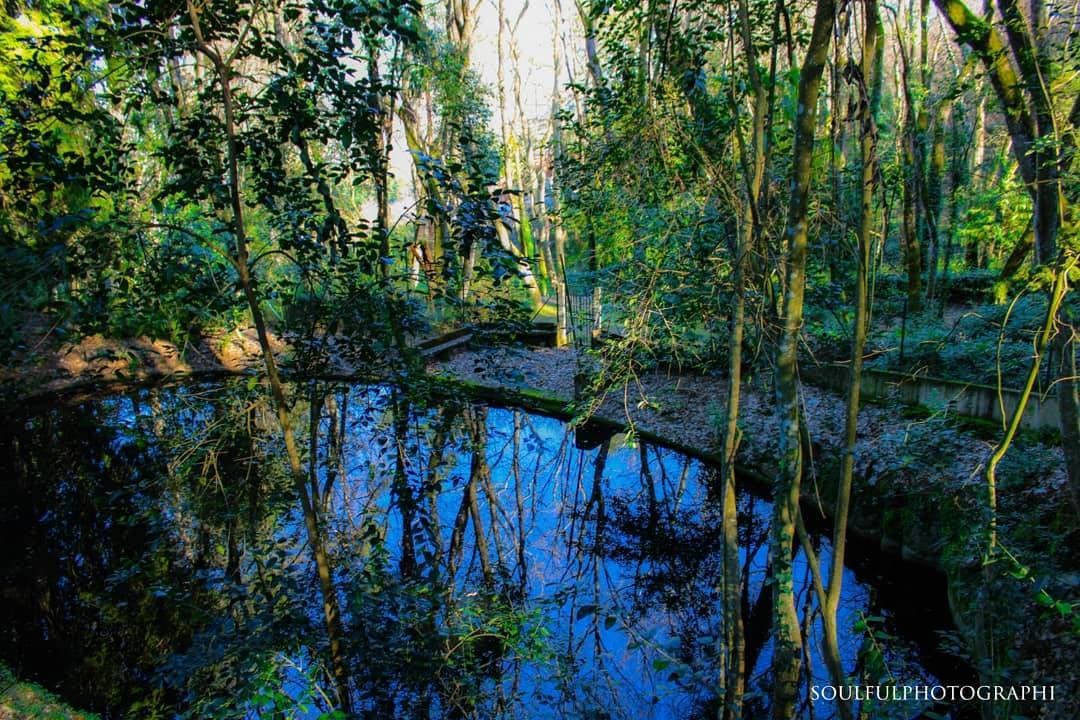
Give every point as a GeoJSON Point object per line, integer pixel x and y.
{"type": "Point", "coordinates": [971, 400]}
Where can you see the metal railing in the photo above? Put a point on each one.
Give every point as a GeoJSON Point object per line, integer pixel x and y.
{"type": "Point", "coordinates": [585, 316]}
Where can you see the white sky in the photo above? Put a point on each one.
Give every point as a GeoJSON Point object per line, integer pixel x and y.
{"type": "Point", "coordinates": [534, 40]}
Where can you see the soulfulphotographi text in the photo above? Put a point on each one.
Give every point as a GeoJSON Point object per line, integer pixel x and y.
{"type": "Point", "coordinates": [940, 693]}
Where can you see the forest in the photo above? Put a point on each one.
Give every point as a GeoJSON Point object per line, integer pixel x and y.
{"type": "Point", "coordinates": [539, 358]}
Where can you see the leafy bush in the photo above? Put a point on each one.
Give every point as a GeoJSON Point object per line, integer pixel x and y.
{"type": "Point", "coordinates": [174, 290]}
{"type": "Point", "coordinates": [972, 348]}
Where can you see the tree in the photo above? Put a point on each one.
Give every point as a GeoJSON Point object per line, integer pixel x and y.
{"type": "Point", "coordinates": [1020, 72]}
{"type": "Point", "coordinates": [868, 81]}
{"type": "Point", "coordinates": [787, 652]}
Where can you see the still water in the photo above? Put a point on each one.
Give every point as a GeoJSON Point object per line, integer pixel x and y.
{"type": "Point", "coordinates": [160, 560]}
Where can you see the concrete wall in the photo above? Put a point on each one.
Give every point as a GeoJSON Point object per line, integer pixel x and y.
{"type": "Point", "coordinates": [968, 399]}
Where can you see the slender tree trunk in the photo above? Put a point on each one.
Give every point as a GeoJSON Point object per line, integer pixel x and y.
{"type": "Point", "coordinates": [958, 177]}
{"type": "Point", "coordinates": [1058, 289]}
{"type": "Point", "coordinates": [331, 611]}
{"type": "Point", "coordinates": [978, 158]}
{"type": "Point", "coordinates": [429, 191]}
{"type": "Point", "coordinates": [380, 156]}
{"type": "Point", "coordinates": [934, 195]}
{"type": "Point", "coordinates": [596, 74]}
{"type": "Point", "coordinates": [872, 35]}
{"type": "Point", "coordinates": [500, 85]}
{"type": "Point", "coordinates": [908, 131]}
{"type": "Point", "coordinates": [733, 682]}
{"type": "Point", "coordinates": [787, 651]}
{"type": "Point", "coordinates": [837, 162]}
{"type": "Point", "coordinates": [557, 232]}
{"type": "Point", "coordinates": [766, 194]}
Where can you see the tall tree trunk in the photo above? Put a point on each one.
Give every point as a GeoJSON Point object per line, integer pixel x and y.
{"type": "Point", "coordinates": [734, 681]}
{"type": "Point", "coordinates": [460, 25]}
{"type": "Point", "coordinates": [766, 194]}
{"type": "Point", "coordinates": [787, 651]}
{"type": "Point", "coordinates": [837, 162]}
{"type": "Point", "coordinates": [557, 233]}
{"type": "Point", "coordinates": [978, 159]}
{"type": "Point", "coordinates": [428, 190]}
{"type": "Point", "coordinates": [872, 35]}
{"type": "Point", "coordinates": [500, 86]}
{"type": "Point", "coordinates": [958, 178]}
{"type": "Point", "coordinates": [596, 74]}
{"type": "Point", "coordinates": [381, 163]}
{"type": "Point", "coordinates": [912, 249]}
{"type": "Point", "coordinates": [331, 610]}
{"type": "Point", "coordinates": [934, 195]}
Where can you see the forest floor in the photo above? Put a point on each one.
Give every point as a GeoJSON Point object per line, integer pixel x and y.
{"type": "Point", "coordinates": [50, 364]}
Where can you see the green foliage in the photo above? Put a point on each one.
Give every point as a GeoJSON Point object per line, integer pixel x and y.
{"type": "Point", "coordinates": [64, 178]}
{"type": "Point", "coordinates": [176, 289]}
{"type": "Point", "coordinates": [664, 243]}
{"type": "Point", "coordinates": [973, 347]}
{"type": "Point", "coordinates": [996, 216]}
{"type": "Point", "coordinates": [116, 201]}
{"type": "Point", "coordinates": [467, 204]}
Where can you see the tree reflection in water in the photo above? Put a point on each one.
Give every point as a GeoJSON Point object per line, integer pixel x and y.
{"type": "Point", "coordinates": [487, 562]}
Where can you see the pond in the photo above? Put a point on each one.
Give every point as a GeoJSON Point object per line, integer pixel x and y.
{"type": "Point", "coordinates": [439, 558]}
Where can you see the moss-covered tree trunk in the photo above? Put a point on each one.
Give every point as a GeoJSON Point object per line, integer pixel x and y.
{"type": "Point", "coordinates": [787, 649]}
{"type": "Point", "coordinates": [909, 226]}
{"type": "Point", "coordinates": [872, 36]}
{"type": "Point", "coordinates": [933, 200]}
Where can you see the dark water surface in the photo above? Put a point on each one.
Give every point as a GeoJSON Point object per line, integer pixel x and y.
{"type": "Point", "coordinates": [488, 562]}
